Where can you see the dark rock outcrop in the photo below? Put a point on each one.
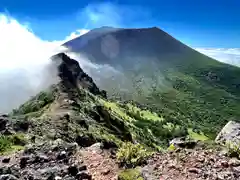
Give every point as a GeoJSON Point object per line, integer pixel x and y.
{"type": "Point", "coordinates": [73, 76]}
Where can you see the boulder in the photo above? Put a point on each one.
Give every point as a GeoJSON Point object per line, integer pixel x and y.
{"type": "Point", "coordinates": [229, 133]}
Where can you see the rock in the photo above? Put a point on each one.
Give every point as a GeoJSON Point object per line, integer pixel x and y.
{"type": "Point", "coordinates": [229, 133]}
{"type": "Point", "coordinates": [83, 176]}
{"type": "Point", "coordinates": [3, 123]}
{"type": "Point", "coordinates": [8, 177]}
{"type": "Point", "coordinates": [57, 178]}
{"type": "Point", "coordinates": [85, 141]}
{"type": "Point", "coordinates": [183, 143]}
{"type": "Point", "coordinates": [106, 171]}
{"type": "Point", "coordinates": [41, 158]}
{"type": "Point", "coordinates": [194, 170]}
{"type": "Point", "coordinates": [21, 125]}
{"type": "Point", "coordinates": [224, 164]}
{"type": "Point", "coordinates": [73, 170]}
{"type": "Point", "coordinates": [96, 148]}
{"type": "Point", "coordinates": [82, 168]}
{"type": "Point", "coordinates": [72, 147]}
{"type": "Point", "coordinates": [24, 161]}
{"type": "Point", "coordinates": [57, 144]}
{"type": "Point", "coordinates": [6, 160]}
{"type": "Point", "coordinates": [234, 162]}
{"type": "Point", "coordinates": [62, 155]}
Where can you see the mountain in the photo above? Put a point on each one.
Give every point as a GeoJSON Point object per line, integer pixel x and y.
{"type": "Point", "coordinates": [72, 130]}
{"type": "Point", "coordinates": [181, 84]}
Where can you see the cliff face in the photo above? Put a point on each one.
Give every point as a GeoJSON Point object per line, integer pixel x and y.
{"type": "Point", "coordinates": [73, 76]}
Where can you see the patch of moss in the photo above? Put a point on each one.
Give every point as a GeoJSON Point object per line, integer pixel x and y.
{"type": "Point", "coordinates": [130, 174]}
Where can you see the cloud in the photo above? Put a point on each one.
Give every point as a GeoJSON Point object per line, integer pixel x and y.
{"type": "Point", "coordinates": [25, 68]}
{"type": "Point", "coordinates": [109, 14]}
{"type": "Point", "coordinates": [24, 63]}
{"type": "Point", "coordinates": [75, 34]}
{"type": "Point", "coordinates": [226, 55]}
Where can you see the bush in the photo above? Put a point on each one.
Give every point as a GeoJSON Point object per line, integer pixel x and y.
{"type": "Point", "coordinates": [132, 155]}
{"type": "Point", "coordinates": [5, 143]}
{"type": "Point", "coordinates": [233, 149]}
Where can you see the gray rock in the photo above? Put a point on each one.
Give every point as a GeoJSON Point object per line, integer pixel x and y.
{"type": "Point", "coordinates": [230, 133]}
{"type": "Point", "coordinates": [8, 177]}
{"type": "Point", "coordinates": [147, 173]}
{"type": "Point", "coordinates": [182, 142]}
{"type": "Point", "coordinates": [97, 148]}
{"type": "Point", "coordinates": [62, 155]}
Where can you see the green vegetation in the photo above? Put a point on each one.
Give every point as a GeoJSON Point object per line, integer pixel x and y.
{"type": "Point", "coordinates": [35, 104]}
{"type": "Point", "coordinates": [11, 143]}
{"type": "Point", "coordinates": [200, 96]}
{"type": "Point", "coordinates": [130, 174]}
{"type": "Point", "coordinates": [233, 149]}
{"type": "Point", "coordinates": [132, 155]}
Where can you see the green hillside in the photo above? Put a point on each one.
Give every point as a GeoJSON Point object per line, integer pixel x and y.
{"type": "Point", "coordinates": [202, 94]}
{"type": "Point", "coordinates": [163, 74]}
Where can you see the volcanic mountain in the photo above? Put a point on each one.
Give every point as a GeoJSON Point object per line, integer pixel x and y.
{"type": "Point", "coordinates": [164, 74]}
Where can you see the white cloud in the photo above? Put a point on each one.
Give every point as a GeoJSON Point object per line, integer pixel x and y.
{"type": "Point", "coordinates": [77, 33]}
{"type": "Point", "coordinates": [24, 62]}
{"type": "Point", "coordinates": [226, 55]}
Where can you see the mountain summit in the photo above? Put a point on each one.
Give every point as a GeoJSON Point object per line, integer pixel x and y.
{"type": "Point", "coordinates": [118, 46]}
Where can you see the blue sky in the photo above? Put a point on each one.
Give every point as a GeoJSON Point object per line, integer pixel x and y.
{"type": "Point", "coordinates": [198, 23]}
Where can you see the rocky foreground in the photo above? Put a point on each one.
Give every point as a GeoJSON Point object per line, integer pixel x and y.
{"type": "Point", "coordinates": [57, 160]}
{"type": "Point", "coordinates": [71, 131]}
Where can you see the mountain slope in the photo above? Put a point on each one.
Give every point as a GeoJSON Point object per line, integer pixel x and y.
{"type": "Point", "coordinates": [182, 84]}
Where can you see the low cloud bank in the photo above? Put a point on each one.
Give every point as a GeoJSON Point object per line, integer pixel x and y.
{"type": "Point", "coordinates": [229, 56]}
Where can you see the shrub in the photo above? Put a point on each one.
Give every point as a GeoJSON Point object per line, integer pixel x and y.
{"type": "Point", "coordinates": [35, 103]}
{"type": "Point", "coordinates": [131, 155]}
{"type": "Point", "coordinates": [233, 149]}
{"type": "Point", "coordinates": [5, 143]}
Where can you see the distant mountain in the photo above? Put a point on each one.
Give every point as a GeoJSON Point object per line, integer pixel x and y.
{"type": "Point", "coordinates": [165, 74]}
{"type": "Point", "coordinates": [118, 46]}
